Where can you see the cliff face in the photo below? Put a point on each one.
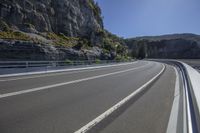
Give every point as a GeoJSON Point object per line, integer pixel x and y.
{"type": "Point", "coordinates": [71, 17]}
{"type": "Point", "coordinates": [185, 46]}
{"type": "Point", "coordinates": [55, 30]}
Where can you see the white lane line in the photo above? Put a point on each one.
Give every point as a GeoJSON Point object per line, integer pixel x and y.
{"type": "Point", "coordinates": [49, 75]}
{"type": "Point", "coordinates": [56, 72]}
{"type": "Point", "coordinates": [97, 120]}
{"type": "Point", "coordinates": [173, 120]}
{"type": "Point", "coordinates": [65, 83]}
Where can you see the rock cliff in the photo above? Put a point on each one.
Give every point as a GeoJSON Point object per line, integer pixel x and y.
{"type": "Point", "coordinates": [181, 46]}
{"type": "Point", "coordinates": [55, 30]}
{"type": "Point", "coordinates": [77, 18]}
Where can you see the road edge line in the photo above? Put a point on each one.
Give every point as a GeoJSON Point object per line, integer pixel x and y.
{"type": "Point", "coordinates": [64, 83]}
{"type": "Point", "coordinates": [33, 76]}
{"type": "Point", "coordinates": [63, 70]}
{"type": "Point", "coordinates": [173, 119]}
{"type": "Point", "coordinates": [107, 113]}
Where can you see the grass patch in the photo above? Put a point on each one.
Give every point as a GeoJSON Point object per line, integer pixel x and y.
{"type": "Point", "coordinates": [62, 40]}
{"type": "Point", "coordinates": [15, 35]}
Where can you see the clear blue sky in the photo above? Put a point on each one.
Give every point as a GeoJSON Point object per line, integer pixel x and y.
{"type": "Point", "coordinates": [131, 18]}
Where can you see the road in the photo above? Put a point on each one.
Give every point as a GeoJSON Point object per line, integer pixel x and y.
{"type": "Point", "coordinates": [65, 102]}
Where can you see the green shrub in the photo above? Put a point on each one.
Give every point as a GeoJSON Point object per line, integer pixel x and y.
{"type": "Point", "coordinates": [106, 51]}
{"type": "Point", "coordinates": [97, 61]}
{"type": "Point", "coordinates": [120, 58]}
{"type": "Point", "coordinates": [68, 62]}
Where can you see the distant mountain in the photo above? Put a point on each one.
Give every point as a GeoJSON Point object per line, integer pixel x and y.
{"type": "Point", "coordinates": [187, 36]}
{"type": "Point", "coordinates": [165, 46]}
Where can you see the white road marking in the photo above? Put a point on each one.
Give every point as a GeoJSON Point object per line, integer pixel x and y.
{"type": "Point", "coordinates": [97, 120]}
{"type": "Point", "coordinates": [173, 120]}
{"type": "Point", "coordinates": [49, 75]}
{"type": "Point", "coordinates": [65, 83]}
{"type": "Point", "coordinates": [55, 72]}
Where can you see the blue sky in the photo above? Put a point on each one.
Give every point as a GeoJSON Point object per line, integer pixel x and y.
{"type": "Point", "coordinates": [131, 18]}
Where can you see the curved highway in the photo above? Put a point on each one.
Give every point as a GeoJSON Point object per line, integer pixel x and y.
{"type": "Point", "coordinates": [66, 102]}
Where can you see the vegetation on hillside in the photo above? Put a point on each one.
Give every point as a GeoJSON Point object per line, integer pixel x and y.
{"type": "Point", "coordinates": [15, 35]}
{"type": "Point", "coordinates": [113, 43]}
{"type": "Point", "coordinates": [95, 7]}
{"type": "Point", "coordinates": [110, 44]}
{"type": "Point", "coordinates": [61, 39]}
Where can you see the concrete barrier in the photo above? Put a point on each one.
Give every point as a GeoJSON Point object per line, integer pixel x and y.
{"type": "Point", "coordinates": [193, 77]}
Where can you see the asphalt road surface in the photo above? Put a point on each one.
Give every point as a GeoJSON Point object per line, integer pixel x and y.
{"type": "Point", "coordinates": [65, 102]}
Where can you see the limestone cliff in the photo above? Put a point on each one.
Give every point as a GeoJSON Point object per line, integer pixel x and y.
{"type": "Point", "coordinates": [60, 29]}
{"type": "Point", "coordinates": [181, 46]}
{"type": "Point", "coordinates": [70, 17]}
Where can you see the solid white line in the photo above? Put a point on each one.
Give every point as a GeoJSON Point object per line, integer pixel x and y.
{"type": "Point", "coordinates": [49, 75]}
{"type": "Point", "coordinates": [97, 120]}
{"type": "Point", "coordinates": [55, 72]}
{"type": "Point", "coordinates": [65, 83]}
{"type": "Point", "coordinates": [173, 120]}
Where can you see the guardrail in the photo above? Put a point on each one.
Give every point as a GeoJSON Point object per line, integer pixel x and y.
{"type": "Point", "coordinates": [27, 64]}
{"type": "Point", "coordinates": [192, 78]}
{"type": "Point", "coordinates": [14, 67]}
{"type": "Point", "coordinates": [191, 96]}
{"type": "Point", "coordinates": [191, 123]}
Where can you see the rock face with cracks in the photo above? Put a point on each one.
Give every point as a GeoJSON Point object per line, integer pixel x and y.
{"type": "Point", "coordinates": [175, 46]}
{"type": "Point", "coordinates": [71, 18]}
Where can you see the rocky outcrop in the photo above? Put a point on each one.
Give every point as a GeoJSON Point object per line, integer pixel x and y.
{"type": "Point", "coordinates": [55, 30]}
{"type": "Point", "coordinates": [181, 46]}
{"type": "Point", "coordinates": [26, 50]}
{"type": "Point", "coordinates": [75, 18]}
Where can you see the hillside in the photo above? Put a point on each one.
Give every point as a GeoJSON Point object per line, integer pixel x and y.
{"type": "Point", "coordinates": [55, 30]}
{"type": "Point", "coordinates": [173, 46]}
{"type": "Point", "coordinates": [74, 30]}
{"type": "Point", "coordinates": [188, 36]}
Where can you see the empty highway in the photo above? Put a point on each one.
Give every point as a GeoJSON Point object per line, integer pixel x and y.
{"type": "Point", "coordinates": [71, 101]}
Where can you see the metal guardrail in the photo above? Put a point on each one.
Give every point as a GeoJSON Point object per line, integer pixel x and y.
{"type": "Point", "coordinates": [191, 101]}
{"type": "Point", "coordinates": [28, 64]}
{"type": "Point", "coordinates": [191, 106]}
{"type": "Point", "coordinates": [193, 83]}
{"type": "Point", "coordinates": [191, 95]}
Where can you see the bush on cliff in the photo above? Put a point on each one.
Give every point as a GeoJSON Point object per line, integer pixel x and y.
{"type": "Point", "coordinates": [15, 35]}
